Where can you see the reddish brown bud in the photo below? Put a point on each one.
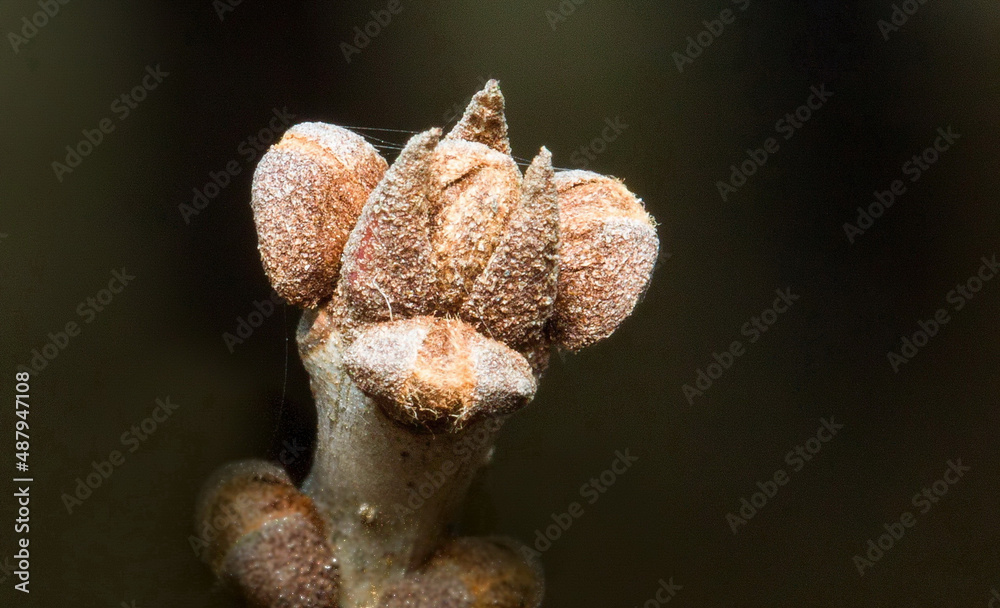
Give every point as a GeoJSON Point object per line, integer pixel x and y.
{"type": "Point", "coordinates": [308, 192]}
{"type": "Point", "coordinates": [513, 298]}
{"type": "Point", "coordinates": [438, 373]}
{"type": "Point", "coordinates": [266, 539]}
{"type": "Point", "coordinates": [608, 249]}
{"type": "Point", "coordinates": [472, 573]}
{"type": "Point", "coordinates": [484, 121]}
{"type": "Point", "coordinates": [474, 189]}
{"type": "Point", "coordinates": [389, 265]}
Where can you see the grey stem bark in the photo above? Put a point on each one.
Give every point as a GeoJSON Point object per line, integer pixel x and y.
{"type": "Point", "coordinates": [388, 491]}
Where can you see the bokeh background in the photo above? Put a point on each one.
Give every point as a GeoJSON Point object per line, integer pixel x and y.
{"type": "Point", "coordinates": [721, 262]}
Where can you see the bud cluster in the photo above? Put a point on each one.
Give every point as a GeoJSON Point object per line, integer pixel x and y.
{"type": "Point", "coordinates": [434, 290]}
{"type": "Point", "coordinates": [451, 272]}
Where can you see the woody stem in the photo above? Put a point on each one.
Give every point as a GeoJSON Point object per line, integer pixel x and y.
{"type": "Point", "coordinates": [387, 491]}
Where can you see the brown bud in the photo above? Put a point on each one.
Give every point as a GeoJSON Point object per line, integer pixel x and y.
{"type": "Point", "coordinates": [484, 121]}
{"type": "Point", "coordinates": [474, 189]}
{"type": "Point", "coordinates": [608, 249]}
{"type": "Point", "coordinates": [513, 298]}
{"type": "Point", "coordinates": [308, 192]}
{"type": "Point", "coordinates": [388, 263]}
{"type": "Point", "coordinates": [265, 538]}
{"type": "Point", "coordinates": [438, 373]}
{"type": "Point", "coordinates": [472, 573]}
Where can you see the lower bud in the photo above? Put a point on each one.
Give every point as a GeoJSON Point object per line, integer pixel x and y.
{"type": "Point", "coordinates": [267, 539]}
{"type": "Point", "coordinates": [472, 573]}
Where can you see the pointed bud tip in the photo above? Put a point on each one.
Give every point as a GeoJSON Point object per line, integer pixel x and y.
{"type": "Point", "coordinates": [427, 139]}
{"type": "Point", "coordinates": [490, 96]}
{"type": "Point", "coordinates": [484, 121]}
{"type": "Point", "coordinates": [542, 162]}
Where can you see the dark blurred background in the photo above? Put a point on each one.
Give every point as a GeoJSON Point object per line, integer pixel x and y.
{"type": "Point", "coordinates": [565, 69]}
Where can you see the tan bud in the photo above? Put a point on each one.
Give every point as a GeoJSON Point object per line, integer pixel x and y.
{"type": "Point", "coordinates": [438, 373]}
{"type": "Point", "coordinates": [472, 573]}
{"type": "Point", "coordinates": [484, 121]}
{"type": "Point", "coordinates": [266, 538]}
{"type": "Point", "coordinates": [308, 191]}
{"type": "Point", "coordinates": [388, 262]}
{"type": "Point", "coordinates": [608, 249]}
{"type": "Point", "coordinates": [513, 298]}
{"type": "Point", "coordinates": [474, 189]}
